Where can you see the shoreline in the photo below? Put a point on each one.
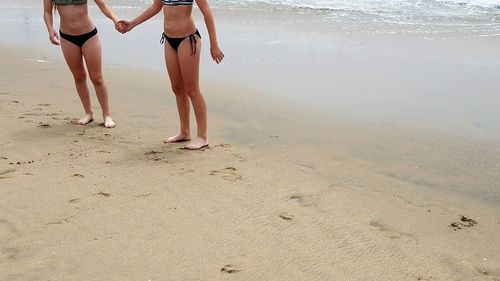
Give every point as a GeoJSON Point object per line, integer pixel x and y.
{"type": "Point", "coordinates": [270, 200]}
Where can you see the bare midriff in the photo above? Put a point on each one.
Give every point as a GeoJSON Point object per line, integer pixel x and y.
{"type": "Point", "coordinates": [75, 19]}
{"type": "Point", "coordinates": [178, 21]}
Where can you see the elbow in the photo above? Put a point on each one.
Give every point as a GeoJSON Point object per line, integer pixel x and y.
{"type": "Point", "coordinates": [157, 6]}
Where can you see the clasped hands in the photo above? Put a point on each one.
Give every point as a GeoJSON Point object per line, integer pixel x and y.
{"type": "Point", "coordinates": [123, 26]}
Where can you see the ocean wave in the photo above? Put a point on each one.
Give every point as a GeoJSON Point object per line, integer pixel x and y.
{"type": "Point", "coordinates": [381, 6]}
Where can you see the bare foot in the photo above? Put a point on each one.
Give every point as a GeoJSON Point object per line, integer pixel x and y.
{"type": "Point", "coordinates": [108, 122]}
{"type": "Point", "coordinates": [177, 138]}
{"type": "Point", "coordinates": [197, 143]}
{"type": "Point", "coordinates": [86, 119]}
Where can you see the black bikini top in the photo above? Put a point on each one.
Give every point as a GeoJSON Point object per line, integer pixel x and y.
{"type": "Point", "coordinates": [70, 2]}
{"type": "Point", "coordinates": [177, 2]}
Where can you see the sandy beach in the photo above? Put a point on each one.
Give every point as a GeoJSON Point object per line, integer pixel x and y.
{"type": "Point", "coordinates": [291, 188]}
{"type": "Point", "coordinates": [271, 202]}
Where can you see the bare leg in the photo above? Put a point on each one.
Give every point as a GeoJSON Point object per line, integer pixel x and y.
{"type": "Point", "coordinates": [190, 69]}
{"type": "Point", "coordinates": [183, 107]}
{"type": "Point", "coordinates": [93, 58]}
{"type": "Point", "coordinates": [73, 56]}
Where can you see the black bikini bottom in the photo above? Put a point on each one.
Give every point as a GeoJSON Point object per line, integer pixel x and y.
{"type": "Point", "coordinates": [175, 42]}
{"type": "Point", "coordinates": [78, 40]}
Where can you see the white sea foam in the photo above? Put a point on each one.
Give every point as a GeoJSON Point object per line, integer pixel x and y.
{"type": "Point", "coordinates": [420, 16]}
{"type": "Point", "coordinates": [38, 60]}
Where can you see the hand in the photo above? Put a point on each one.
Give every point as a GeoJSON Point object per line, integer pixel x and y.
{"type": "Point", "coordinates": [117, 24]}
{"type": "Point", "coordinates": [54, 37]}
{"type": "Point", "coordinates": [123, 26]}
{"type": "Point", "coordinates": [217, 54]}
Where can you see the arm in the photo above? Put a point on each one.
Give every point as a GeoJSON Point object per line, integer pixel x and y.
{"type": "Point", "coordinates": [106, 10]}
{"type": "Point", "coordinates": [217, 54]}
{"type": "Point", "coordinates": [152, 10]}
{"type": "Point", "coordinates": [49, 22]}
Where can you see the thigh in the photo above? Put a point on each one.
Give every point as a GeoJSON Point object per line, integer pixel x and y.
{"type": "Point", "coordinates": [92, 52]}
{"type": "Point", "coordinates": [73, 56]}
{"type": "Point", "coordinates": [173, 67]}
{"type": "Point", "coordinates": [190, 64]}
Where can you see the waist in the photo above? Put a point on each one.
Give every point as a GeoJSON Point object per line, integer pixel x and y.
{"type": "Point", "coordinates": [179, 28]}
{"type": "Point", "coordinates": [77, 28]}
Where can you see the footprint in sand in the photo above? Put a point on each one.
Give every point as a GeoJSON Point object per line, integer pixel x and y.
{"type": "Point", "coordinates": [394, 234]}
{"type": "Point", "coordinates": [229, 268]}
{"type": "Point", "coordinates": [154, 155]}
{"type": "Point", "coordinates": [222, 145]}
{"type": "Point", "coordinates": [61, 118]}
{"type": "Point", "coordinates": [228, 174]}
{"type": "Point", "coordinates": [143, 195]}
{"type": "Point", "coordinates": [61, 221]}
{"type": "Point", "coordinates": [76, 200]}
{"type": "Point", "coordinates": [380, 226]}
{"type": "Point", "coordinates": [32, 114]}
{"type": "Point", "coordinates": [286, 216]}
{"type": "Point", "coordinates": [21, 163]}
{"type": "Point", "coordinates": [6, 173]}
{"type": "Point", "coordinates": [105, 194]}
{"type": "Point", "coordinates": [43, 125]}
{"type": "Point", "coordinates": [239, 157]}
{"type": "Point", "coordinates": [305, 200]}
{"type": "Point", "coordinates": [489, 274]}
{"type": "Point", "coordinates": [185, 172]}
{"type": "Point", "coordinates": [78, 176]}
{"type": "Point", "coordinates": [462, 223]}
{"type": "Point", "coordinates": [422, 278]}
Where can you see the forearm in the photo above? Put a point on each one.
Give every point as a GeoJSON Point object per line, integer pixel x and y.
{"type": "Point", "coordinates": [49, 22]}
{"type": "Point", "coordinates": [147, 14]}
{"type": "Point", "coordinates": [106, 10]}
{"type": "Point", "coordinates": [210, 23]}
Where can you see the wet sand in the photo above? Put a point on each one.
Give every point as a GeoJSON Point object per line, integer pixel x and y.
{"type": "Point", "coordinates": [283, 193]}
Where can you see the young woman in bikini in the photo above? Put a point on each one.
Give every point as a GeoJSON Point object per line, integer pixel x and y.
{"type": "Point", "coordinates": [182, 57]}
{"type": "Point", "coordinates": [80, 43]}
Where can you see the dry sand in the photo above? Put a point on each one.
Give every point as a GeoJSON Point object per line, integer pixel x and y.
{"type": "Point", "coordinates": [280, 195]}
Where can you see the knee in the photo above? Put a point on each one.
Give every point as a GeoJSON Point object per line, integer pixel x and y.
{"type": "Point", "coordinates": [178, 90]}
{"type": "Point", "coordinates": [80, 77]}
{"type": "Point", "coordinates": [193, 93]}
{"type": "Point", "coordinates": [97, 80]}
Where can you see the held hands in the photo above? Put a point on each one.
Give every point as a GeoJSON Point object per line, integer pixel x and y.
{"type": "Point", "coordinates": [123, 26]}
{"type": "Point", "coordinates": [217, 54]}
